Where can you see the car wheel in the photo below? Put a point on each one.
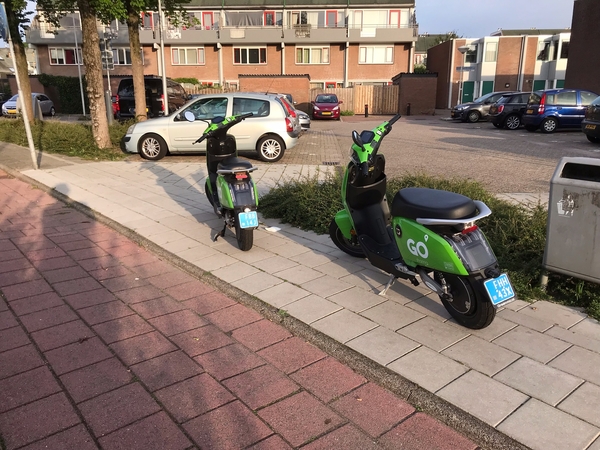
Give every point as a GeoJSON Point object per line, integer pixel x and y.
{"type": "Point", "coordinates": [473, 116]}
{"type": "Point", "coordinates": [512, 122]}
{"type": "Point", "coordinates": [594, 139]}
{"type": "Point", "coordinates": [152, 147]}
{"type": "Point", "coordinates": [270, 148]}
{"type": "Point", "coordinates": [531, 128]}
{"type": "Point", "coordinates": [52, 112]}
{"type": "Point", "coordinates": [549, 125]}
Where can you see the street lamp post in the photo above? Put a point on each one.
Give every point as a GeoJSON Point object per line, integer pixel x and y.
{"type": "Point", "coordinates": [463, 50]}
{"type": "Point", "coordinates": [78, 67]}
{"type": "Point", "coordinates": [161, 31]}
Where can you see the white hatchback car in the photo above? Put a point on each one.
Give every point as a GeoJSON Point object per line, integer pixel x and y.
{"type": "Point", "coordinates": [269, 132]}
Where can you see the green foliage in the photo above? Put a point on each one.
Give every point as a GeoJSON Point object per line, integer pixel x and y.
{"type": "Point", "coordinates": [346, 112]}
{"type": "Point", "coordinates": [71, 139]}
{"type": "Point", "coordinates": [68, 91]}
{"type": "Point", "coordinates": [420, 68]}
{"type": "Point", "coordinates": [187, 80]}
{"type": "Point", "coordinates": [516, 233]}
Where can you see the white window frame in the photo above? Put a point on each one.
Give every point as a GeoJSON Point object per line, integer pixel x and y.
{"type": "Point", "coordinates": [324, 51]}
{"type": "Point", "coordinates": [61, 50]}
{"type": "Point", "coordinates": [366, 57]}
{"type": "Point", "coordinates": [491, 52]}
{"type": "Point", "coordinates": [246, 49]}
{"type": "Point", "coordinates": [200, 55]}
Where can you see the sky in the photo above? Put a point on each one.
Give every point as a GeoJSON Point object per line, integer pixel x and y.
{"type": "Point", "coordinates": [478, 18]}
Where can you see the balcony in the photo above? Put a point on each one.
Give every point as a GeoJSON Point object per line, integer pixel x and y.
{"type": "Point", "coordinates": [48, 35]}
{"type": "Point", "coordinates": [384, 33]}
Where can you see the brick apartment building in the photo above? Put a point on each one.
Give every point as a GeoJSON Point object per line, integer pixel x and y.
{"type": "Point", "coordinates": [507, 60]}
{"type": "Point", "coordinates": [338, 43]}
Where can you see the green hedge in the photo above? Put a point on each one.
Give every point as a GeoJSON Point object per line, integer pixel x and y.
{"type": "Point", "coordinates": [68, 92]}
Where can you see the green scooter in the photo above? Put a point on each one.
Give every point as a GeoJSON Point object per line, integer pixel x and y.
{"type": "Point", "coordinates": [229, 186]}
{"type": "Point", "coordinates": [427, 234]}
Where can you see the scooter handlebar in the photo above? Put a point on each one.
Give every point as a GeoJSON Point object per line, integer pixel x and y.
{"type": "Point", "coordinates": [237, 120]}
{"type": "Point", "coordinates": [394, 119]}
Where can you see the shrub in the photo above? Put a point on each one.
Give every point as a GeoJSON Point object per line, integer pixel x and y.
{"type": "Point", "coordinates": [68, 91]}
{"type": "Point", "coordinates": [347, 113]}
{"type": "Point", "coordinates": [187, 80]}
{"type": "Point", "coordinates": [71, 139]}
{"type": "Point", "coordinates": [516, 233]}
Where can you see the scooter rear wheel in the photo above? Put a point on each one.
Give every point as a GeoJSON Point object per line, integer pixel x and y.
{"type": "Point", "coordinates": [345, 245]}
{"type": "Point", "coordinates": [467, 305]}
{"type": "Point", "coordinates": [244, 236]}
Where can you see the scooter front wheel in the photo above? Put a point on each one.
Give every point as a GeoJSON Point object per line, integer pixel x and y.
{"type": "Point", "coordinates": [353, 248]}
{"type": "Point", "coordinates": [244, 236]}
{"type": "Point", "coordinates": [465, 304]}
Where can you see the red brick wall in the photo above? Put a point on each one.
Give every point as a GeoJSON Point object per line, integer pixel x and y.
{"type": "Point", "coordinates": [334, 71]}
{"type": "Point", "coordinates": [232, 71]}
{"type": "Point", "coordinates": [298, 86]}
{"type": "Point", "coordinates": [438, 61]}
{"type": "Point", "coordinates": [419, 90]}
{"type": "Point", "coordinates": [507, 65]}
{"type": "Point", "coordinates": [378, 71]}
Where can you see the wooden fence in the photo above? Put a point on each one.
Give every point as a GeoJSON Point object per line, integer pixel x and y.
{"type": "Point", "coordinates": [380, 99]}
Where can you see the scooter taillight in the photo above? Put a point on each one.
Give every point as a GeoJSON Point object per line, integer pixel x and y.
{"type": "Point", "coordinates": [469, 229]}
{"type": "Point", "coordinates": [241, 176]}
{"type": "Point", "coordinates": [288, 125]}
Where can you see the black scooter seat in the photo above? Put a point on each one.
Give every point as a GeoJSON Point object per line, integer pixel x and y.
{"type": "Point", "coordinates": [414, 203]}
{"type": "Point", "coordinates": [234, 163]}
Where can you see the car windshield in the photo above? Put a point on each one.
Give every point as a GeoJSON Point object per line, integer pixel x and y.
{"type": "Point", "coordinates": [483, 98]}
{"type": "Point", "coordinates": [326, 99]}
{"type": "Point", "coordinates": [14, 98]}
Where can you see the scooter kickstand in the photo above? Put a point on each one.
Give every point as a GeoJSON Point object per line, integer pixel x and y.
{"type": "Point", "coordinates": [220, 233]}
{"type": "Point", "coordinates": [388, 285]}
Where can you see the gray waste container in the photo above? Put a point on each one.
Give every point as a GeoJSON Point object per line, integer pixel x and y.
{"type": "Point", "coordinates": [573, 233]}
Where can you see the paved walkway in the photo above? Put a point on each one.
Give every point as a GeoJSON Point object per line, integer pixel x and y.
{"type": "Point", "coordinates": [532, 376]}
{"type": "Point", "coordinates": [105, 345]}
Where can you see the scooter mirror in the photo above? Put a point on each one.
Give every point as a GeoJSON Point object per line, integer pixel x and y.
{"type": "Point", "coordinates": [357, 140]}
{"type": "Point", "coordinates": [189, 116]}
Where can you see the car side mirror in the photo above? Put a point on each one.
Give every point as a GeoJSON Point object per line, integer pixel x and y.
{"type": "Point", "coordinates": [312, 102]}
{"type": "Point", "coordinates": [189, 116]}
{"type": "Point", "coordinates": [340, 102]}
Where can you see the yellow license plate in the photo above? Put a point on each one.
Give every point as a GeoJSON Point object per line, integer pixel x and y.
{"type": "Point", "coordinates": [590, 127]}
{"type": "Point", "coordinates": [530, 111]}
{"type": "Point", "coordinates": [326, 113]}
{"type": "Point", "coordinates": [11, 111]}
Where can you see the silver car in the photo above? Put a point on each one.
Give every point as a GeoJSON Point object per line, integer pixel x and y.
{"type": "Point", "coordinates": [269, 132]}
{"type": "Point", "coordinates": [9, 108]}
{"type": "Point", "coordinates": [303, 118]}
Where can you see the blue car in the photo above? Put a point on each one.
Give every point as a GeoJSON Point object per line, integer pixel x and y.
{"type": "Point", "coordinates": [551, 109]}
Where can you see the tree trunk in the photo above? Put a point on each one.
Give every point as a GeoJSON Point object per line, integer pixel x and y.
{"type": "Point", "coordinates": [137, 65]}
{"type": "Point", "coordinates": [90, 48]}
{"type": "Point", "coordinates": [20, 59]}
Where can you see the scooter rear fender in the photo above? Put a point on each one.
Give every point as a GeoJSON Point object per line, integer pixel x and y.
{"type": "Point", "coordinates": [421, 247]}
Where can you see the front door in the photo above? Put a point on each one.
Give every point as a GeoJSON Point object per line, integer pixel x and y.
{"type": "Point", "coordinates": [468, 89]}
{"type": "Point", "coordinates": [539, 85]}
{"type": "Point", "coordinates": [487, 87]}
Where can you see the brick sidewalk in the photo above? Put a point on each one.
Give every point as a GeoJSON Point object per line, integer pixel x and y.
{"type": "Point", "coordinates": [104, 345]}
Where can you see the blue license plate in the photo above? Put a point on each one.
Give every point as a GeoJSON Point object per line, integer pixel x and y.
{"type": "Point", "coordinates": [248, 219]}
{"type": "Point", "coordinates": [499, 289]}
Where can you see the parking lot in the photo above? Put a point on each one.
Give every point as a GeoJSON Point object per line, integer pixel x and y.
{"type": "Point", "coordinates": [503, 160]}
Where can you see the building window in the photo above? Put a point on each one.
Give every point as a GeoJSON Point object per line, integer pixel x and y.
{"type": "Point", "coordinates": [250, 55]}
{"type": "Point", "coordinates": [491, 51]}
{"type": "Point", "coordinates": [376, 55]}
{"type": "Point", "coordinates": [121, 56]}
{"type": "Point", "coordinates": [187, 56]}
{"type": "Point", "coordinates": [65, 56]}
{"type": "Point", "coordinates": [312, 55]}
{"type": "Point", "coordinates": [564, 50]}
{"type": "Point", "coordinates": [471, 56]}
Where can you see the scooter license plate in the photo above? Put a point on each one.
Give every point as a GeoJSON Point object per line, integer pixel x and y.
{"type": "Point", "coordinates": [500, 290]}
{"type": "Point", "coordinates": [248, 219]}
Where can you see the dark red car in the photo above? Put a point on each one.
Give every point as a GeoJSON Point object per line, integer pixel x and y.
{"type": "Point", "coordinates": [326, 106]}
